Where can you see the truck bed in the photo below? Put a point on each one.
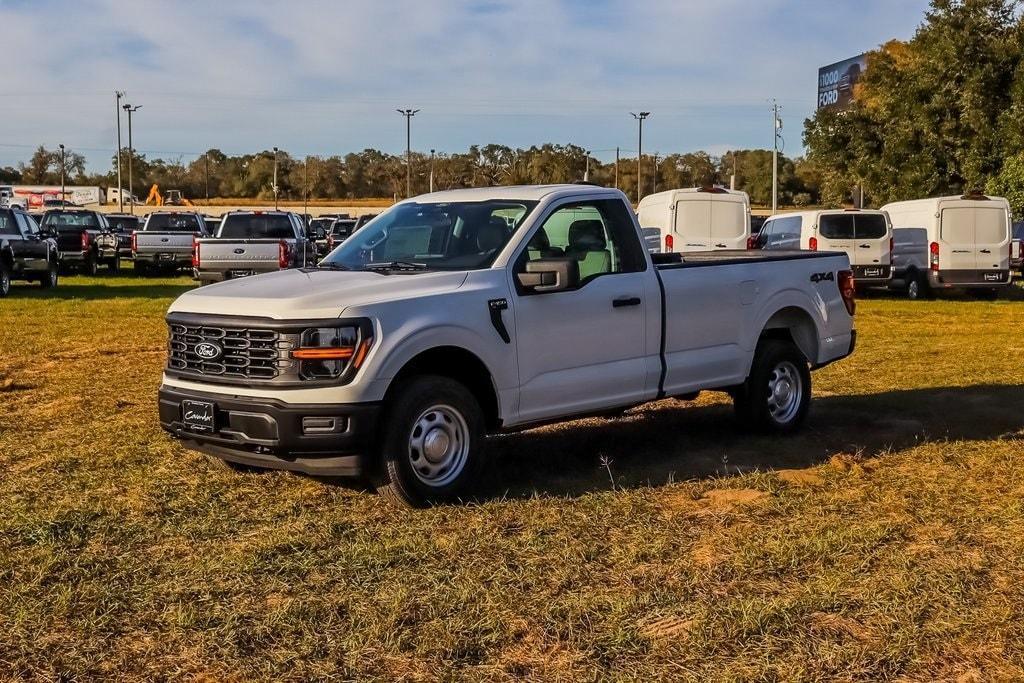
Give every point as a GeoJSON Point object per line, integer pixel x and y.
{"type": "Point", "coordinates": [737, 256]}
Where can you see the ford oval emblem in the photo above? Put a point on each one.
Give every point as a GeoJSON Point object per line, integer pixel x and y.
{"type": "Point", "coordinates": [239, 251]}
{"type": "Point", "coordinates": [209, 351]}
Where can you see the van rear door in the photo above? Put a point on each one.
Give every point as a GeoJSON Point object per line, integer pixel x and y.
{"type": "Point", "coordinates": [729, 223]}
{"type": "Point", "coordinates": [991, 238]}
{"type": "Point", "coordinates": [693, 224]}
{"type": "Point", "coordinates": [836, 233]}
{"type": "Point", "coordinates": [873, 247]}
{"type": "Point", "coordinates": [973, 238]}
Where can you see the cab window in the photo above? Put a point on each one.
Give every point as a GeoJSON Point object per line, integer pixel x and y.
{"type": "Point", "coordinates": [598, 235]}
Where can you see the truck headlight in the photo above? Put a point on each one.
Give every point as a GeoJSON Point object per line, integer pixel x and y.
{"type": "Point", "coordinates": [329, 352]}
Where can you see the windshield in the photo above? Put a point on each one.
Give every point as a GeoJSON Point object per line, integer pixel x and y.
{"type": "Point", "coordinates": [256, 226]}
{"type": "Point", "coordinates": [65, 219]}
{"type": "Point", "coordinates": [173, 222]}
{"type": "Point", "coordinates": [452, 236]}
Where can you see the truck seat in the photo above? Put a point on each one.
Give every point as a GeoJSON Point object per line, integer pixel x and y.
{"type": "Point", "coordinates": [589, 247]}
{"type": "Point", "coordinates": [540, 247]}
{"type": "Point", "coordinates": [492, 235]}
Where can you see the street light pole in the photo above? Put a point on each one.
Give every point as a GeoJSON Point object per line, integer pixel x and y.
{"type": "Point", "coordinates": [776, 128]}
{"type": "Point", "coordinates": [655, 173]}
{"type": "Point", "coordinates": [431, 170]}
{"type": "Point", "coordinates": [206, 158]}
{"type": "Point", "coordinates": [616, 168]}
{"type": "Point", "coordinates": [408, 114]}
{"type": "Point", "coordinates": [131, 152]}
{"type": "Point", "coordinates": [586, 173]}
{"type": "Point", "coordinates": [275, 179]}
{"type": "Point", "coordinates": [118, 94]}
{"type": "Point", "coordinates": [63, 195]}
{"type": "Point", "coordinates": [639, 149]}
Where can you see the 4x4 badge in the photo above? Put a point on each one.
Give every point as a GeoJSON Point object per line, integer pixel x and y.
{"type": "Point", "coordinates": [822, 277]}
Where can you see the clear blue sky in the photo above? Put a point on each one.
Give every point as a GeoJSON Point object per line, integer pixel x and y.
{"type": "Point", "coordinates": [326, 77]}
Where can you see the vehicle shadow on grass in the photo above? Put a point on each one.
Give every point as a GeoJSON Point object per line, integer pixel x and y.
{"type": "Point", "coordinates": [672, 441]}
{"type": "Point", "coordinates": [113, 287]}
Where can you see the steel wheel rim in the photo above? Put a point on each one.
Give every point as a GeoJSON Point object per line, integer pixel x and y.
{"type": "Point", "coordinates": [785, 392]}
{"type": "Point", "coordinates": [913, 288]}
{"type": "Point", "coordinates": [5, 281]}
{"type": "Point", "coordinates": [438, 445]}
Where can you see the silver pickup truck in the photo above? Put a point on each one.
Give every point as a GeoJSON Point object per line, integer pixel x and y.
{"type": "Point", "coordinates": [165, 241]}
{"type": "Point", "coordinates": [252, 242]}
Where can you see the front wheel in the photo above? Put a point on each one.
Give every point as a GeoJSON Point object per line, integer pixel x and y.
{"type": "Point", "coordinates": [777, 394]}
{"type": "Point", "coordinates": [430, 442]}
{"type": "Point", "coordinates": [49, 278]}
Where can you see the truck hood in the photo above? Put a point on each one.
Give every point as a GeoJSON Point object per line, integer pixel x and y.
{"type": "Point", "coordinates": [296, 294]}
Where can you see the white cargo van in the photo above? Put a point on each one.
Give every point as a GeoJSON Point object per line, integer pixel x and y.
{"type": "Point", "coordinates": [697, 219]}
{"type": "Point", "coordinates": [864, 235]}
{"type": "Point", "coordinates": [968, 241]}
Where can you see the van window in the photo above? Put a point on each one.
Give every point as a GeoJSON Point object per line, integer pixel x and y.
{"type": "Point", "coordinates": [869, 226]}
{"type": "Point", "coordinates": [958, 226]}
{"type": "Point", "coordinates": [836, 226]}
{"type": "Point", "coordinates": [728, 219]}
{"type": "Point", "coordinates": [990, 226]}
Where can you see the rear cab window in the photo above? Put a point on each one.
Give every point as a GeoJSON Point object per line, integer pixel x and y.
{"type": "Point", "coordinates": [169, 222]}
{"type": "Point", "coordinates": [256, 226]}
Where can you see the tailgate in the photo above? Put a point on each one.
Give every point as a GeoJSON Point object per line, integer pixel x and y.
{"type": "Point", "coordinates": [163, 242]}
{"type": "Point", "coordinates": [223, 255]}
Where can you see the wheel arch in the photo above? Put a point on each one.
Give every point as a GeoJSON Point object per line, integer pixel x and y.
{"type": "Point", "coordinates": [459, 364]}
{"type": "Point", "coordinates": [794, 324]}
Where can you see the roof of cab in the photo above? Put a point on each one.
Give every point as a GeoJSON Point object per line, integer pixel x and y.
{"type": "Point", "coordinates": [533, 193]}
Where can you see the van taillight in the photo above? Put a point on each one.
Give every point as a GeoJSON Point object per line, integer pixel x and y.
{"type": "Point", "coordinates": [892, 246]}
{"type": "Point", "coordinates": [85, 241]}
{"type": "Point", "coordinates": [195, 253]}
{"type": "Point", "coordinates": [668, 243]}
{"type": "Point", "coordinates": [751, 242]}
{"type": "Point", "coordinates": [812, 244]}
{"type": "Point", "coordinates": [135, 242]}
{"type": "Point", "coordinates": [934, 249]}
{"type": "Point", "coordinates": [282, 255]}
{"type": "Point", "coordinates": [848, 290]}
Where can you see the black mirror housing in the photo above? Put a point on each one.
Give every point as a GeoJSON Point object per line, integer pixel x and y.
{"type": "Point", "coordinates": [550, 275]}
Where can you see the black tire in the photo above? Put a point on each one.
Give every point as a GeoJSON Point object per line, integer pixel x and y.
{"type": "Point", "coordinates": [777, 394]}
{"type": "Point", "coordinates": [5, 280]}
{"type": "Point", "coordinates": [141, 268]}
{"type": "Point", "coordinates": [986, 294]}
{"type": "Point", "coordinates": [50, 277]}
{"type": "Point", "coordinates": [429, 412]}
{"type": "Point", "coordinates": [114, 265]}
{"type": "Point", "coordinates": [91, 265]}
{"type": "Point", "coordinates": [918, 287]}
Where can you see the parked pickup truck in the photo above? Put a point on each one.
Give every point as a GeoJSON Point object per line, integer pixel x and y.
{"type": "Point", "coordinates": [165, 241]}
{"type": "Point", "coordinates": [25, 253]}
{"type": "Point", "coordinates": [253, 242]}
{"type": "Point", "coordinates": [1017, 249]}
{"type": "Point", "coordinates": [84, 239]}
{"type": "Point", "coordinates": [461, 313]}
{"type": "Point", "coordinates": [123, 225]}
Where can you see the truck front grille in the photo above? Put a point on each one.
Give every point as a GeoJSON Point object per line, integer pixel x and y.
{"type": "Point", "coordinates": [244, 353]}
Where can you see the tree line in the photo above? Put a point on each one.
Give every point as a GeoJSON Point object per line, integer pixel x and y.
{"type": "Point", "coordinates": [372, 173]}
{"type": "Point", "coordinates": [939, 114]}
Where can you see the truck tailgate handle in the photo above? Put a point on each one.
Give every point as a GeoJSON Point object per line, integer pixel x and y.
{"type": "Point", "coordinates": [626, 301]}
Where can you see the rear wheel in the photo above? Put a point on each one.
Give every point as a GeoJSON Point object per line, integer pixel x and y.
{"type": "Point", "coordinates": [49, 278]}
{"type": "Point", "coordinates": [986, 294]}
{"type": "Point", "coordinates": [5, 280]}
{"type": "Point", "coordinates": [777, 394]}
{"type": "Point", "coordinates": [141, 269]}
{"type": "Point", "coordinates": [115, 265]}
{"type": "Point", "coordinates": [917, 287]}
{"type": "Point", "coordinates": [90, 266]}
{"type": "Point", "coordinates": [431, 442]}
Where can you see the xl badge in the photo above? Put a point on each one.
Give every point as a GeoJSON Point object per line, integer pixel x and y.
{"type": "Point", "coordinates": [209, 350]}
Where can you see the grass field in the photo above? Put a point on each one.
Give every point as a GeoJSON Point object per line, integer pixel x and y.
{"type": "Point", "coordinates": [886, 541]}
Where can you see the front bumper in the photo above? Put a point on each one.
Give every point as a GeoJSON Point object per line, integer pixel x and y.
{"type": "Point", "coordinates": [968, 279]}
{"type": "Point", "coordinates": [270, 433]}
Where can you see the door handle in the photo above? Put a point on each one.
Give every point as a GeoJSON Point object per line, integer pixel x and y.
{"type": "Point", "coordinates": [721, 246]}
{"type": "Point", "coordinates": [986, 251]}
{"type": "Point", "coordinates": [626, 301]}
{"type": "Point", "coordinates": [865, 246]}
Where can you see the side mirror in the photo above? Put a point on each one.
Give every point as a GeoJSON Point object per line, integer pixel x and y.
{"type": "Point", "coordinates": [550, 275]}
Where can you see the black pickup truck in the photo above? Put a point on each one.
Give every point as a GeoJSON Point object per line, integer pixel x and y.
{"type": "Point", "coordinates": [25, 253]}
{"type": "Point", "coordinates": [123, 225]}
{"type": "Point", "coordinates": [84, 238]}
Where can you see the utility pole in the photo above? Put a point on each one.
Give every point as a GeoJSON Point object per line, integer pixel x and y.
{"type": "Point", "coordinates": [431, 170]}
{"type": "Point", "coordinates": [275, 179]}
{"type": "Point", "coordinates": [131, 152]}
{"type": "Point", "coordinates": [616, 168]}
{"type": "Point", "coordinates": [586, 173]}
{"type": "Point", "coordinates": [118, 94]}
{"type": "Point", "coordinates": [776, 134]}
{"type": "Point", "coordinates": [639, 149]}
{"type": "Point", "coordinates": [408, 114]}
{"type": "Point", "coordinates": [655, 173]}
{"type": "Point", "coordinates": [732, 178]}
{"type": "Point", "coordinates": [63, 195]}
{"type": "Point", "coordinates": [305, 188]}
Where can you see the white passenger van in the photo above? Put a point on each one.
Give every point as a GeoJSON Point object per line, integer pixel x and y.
{"type": "Point", "coordinates": [864, 235]}
{"type": "Point", "coordinates": [697, 219]}
{"type": "Point", "coordinates": [968, 242]}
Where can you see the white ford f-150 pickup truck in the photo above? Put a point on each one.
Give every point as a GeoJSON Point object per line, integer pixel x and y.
{"type": "Point", "coordinates": [462, 313]}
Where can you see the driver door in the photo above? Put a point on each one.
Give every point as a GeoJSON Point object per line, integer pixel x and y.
{"type": "Point", "coordinates": [583, 349]}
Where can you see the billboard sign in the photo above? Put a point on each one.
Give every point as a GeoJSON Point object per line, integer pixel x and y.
{"type": "Point", "coordinates": [836, 81]}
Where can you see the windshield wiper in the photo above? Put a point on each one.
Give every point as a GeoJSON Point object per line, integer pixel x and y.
{"type": "Point", "coordinates": [395, 266]}
{"type": "Point", "coordinates": [331, 266]}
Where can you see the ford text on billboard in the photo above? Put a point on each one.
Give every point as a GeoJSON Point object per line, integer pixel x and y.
{"type": "Point", "coordinates": [836, 81]}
